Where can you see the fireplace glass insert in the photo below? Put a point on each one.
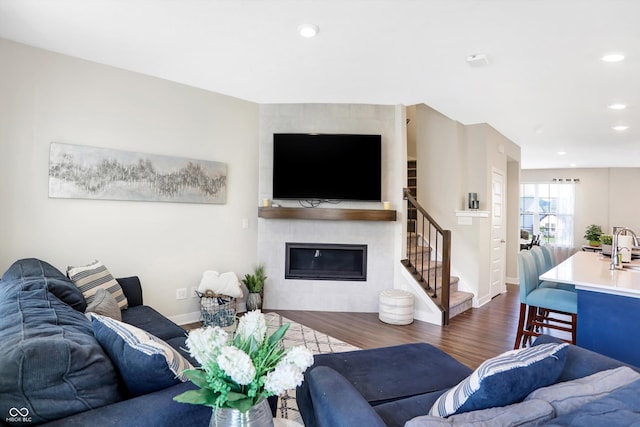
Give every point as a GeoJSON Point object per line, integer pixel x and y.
{"type": "Point", "coordinates": [322, 261]}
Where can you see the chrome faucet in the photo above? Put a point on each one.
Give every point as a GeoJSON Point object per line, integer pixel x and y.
{"type": "Point", "coordinates": [615, 250]}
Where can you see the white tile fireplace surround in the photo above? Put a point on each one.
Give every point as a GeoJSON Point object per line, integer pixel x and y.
{"type": "Point", "coordinates": [326, 295]}
{"type": "Point", "coordinates": [379, 236]}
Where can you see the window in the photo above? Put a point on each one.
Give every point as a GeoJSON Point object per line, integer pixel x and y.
{"type": "Point", "coordinates": [547, 210]}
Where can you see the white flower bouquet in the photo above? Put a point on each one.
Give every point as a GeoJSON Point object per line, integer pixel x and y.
{"type": "Point", "coordinates": [239, 373]}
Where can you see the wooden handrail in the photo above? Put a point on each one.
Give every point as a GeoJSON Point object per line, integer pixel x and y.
{"type": "Point", "coordinates": [414, 202]}
{"type": "Point", "coordinates": [441, 244]}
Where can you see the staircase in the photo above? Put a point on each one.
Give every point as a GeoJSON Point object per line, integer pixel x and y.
{"type": "Point", "coordinates": [428, 261]}
{"type": "Point", "coordinates": [428, 273]}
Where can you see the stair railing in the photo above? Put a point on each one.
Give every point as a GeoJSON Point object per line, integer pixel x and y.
{"type": "Point", "coordinates": [427, 231]}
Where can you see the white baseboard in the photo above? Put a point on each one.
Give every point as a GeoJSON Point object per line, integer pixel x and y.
{"type": "Point", "coordinates": [512, 280]}
{"type": "Point", "coordinates": [183, 319]}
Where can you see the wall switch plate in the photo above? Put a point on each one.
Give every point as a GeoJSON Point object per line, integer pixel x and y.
{"type": "Point", "coordinates": [181, 293]}
{"type": "Point", "coordinates": [194, 292]}
{"type": "Point", "coordinates": [245, 223]}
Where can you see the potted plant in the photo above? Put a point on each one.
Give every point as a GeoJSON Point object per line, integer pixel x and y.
{"type": "Point", "coordinates": [237, 374]}
{"type": "Point", "coordinates": [255, 284]}
{"type": "Point", "coordinates": [592, 234]}
{"type": "Point", "coordinates": [607, 242]}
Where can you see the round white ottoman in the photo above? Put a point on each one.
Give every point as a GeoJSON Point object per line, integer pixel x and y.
{"type": "Point", "coordinates": [395, 307]}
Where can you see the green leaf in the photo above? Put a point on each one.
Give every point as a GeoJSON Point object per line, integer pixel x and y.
{"type": "Point", "coordinates": [198, 397]}
{"type": "Point", "coordinates": [279, 334]}
{"type": "Point", "coordinates": [196, 376]}
{"type": "Point", "coordinates": [232, 396]}
{"type": "Point", "coordinates": [242, 405]}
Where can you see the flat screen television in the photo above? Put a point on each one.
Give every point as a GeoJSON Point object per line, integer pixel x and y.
{"type": "Point", "coordinates": [327, 167]}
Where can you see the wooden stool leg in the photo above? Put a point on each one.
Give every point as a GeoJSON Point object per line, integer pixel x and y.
{"type": "Point", "coordinates": [518, 343]}
{"type": "Point", "coordinates": [574, 328]}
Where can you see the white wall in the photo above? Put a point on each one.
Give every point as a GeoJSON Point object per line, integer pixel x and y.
{"type": "Point", "coordinates": [604, 196]}
{"type": "Point", "coordinates": [381, 237]}
{"type": "Point", "coordinates": [454, 160]}
{"type": "Point", "coordinates": [46, 97]}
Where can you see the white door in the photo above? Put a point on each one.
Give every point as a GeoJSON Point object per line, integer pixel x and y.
{"type": "Point", "coordinates": [498, 246]}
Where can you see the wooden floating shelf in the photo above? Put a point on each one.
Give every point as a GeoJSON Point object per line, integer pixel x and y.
{"type": "Point", "coordinates": [328, 214]}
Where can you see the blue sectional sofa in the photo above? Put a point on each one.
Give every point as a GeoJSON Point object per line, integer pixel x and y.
{"type": "Point", "coordinates": [54, 372]}
{"type": "Point", "coordinates": [399, 386]}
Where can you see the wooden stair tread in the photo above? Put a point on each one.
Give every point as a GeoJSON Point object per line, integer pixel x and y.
{"type": "Point", "coordinates": [459, 301]}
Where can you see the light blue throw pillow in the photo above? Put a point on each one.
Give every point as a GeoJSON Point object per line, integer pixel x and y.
{"type": "Point", "coordinates": [503, 380]}
{"type": "Point", "coordinates": [145, 362]}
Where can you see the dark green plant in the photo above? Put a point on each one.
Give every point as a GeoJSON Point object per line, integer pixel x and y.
{"type": "Point", "coordinates": [255, 281]}
{"type": "Point", "coordinates": [593, 233]}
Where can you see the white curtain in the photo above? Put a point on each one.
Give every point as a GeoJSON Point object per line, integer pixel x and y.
{"type": "Point", "coordinates": [565, 206]}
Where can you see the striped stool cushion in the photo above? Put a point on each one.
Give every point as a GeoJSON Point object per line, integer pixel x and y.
{"type": "Point", "coordinates": [90, 278]}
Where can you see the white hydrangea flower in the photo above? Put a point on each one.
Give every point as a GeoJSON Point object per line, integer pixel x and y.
{"type": "Point", "coordinates": [205, 343]}
{"type": "Point", "coordinates": [252, 324]}
{"type": "Point", "coordinates": [299, 356]}
{"type": "Point", "coordinates": [237, 364]}
{"type": "Point", "coordinates": [285, 376]}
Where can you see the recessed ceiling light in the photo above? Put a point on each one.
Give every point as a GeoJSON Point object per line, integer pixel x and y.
{"type": "Point", "coordinates": [308, 30]}
{"type": "Point", "coordinates": [617, 106]}
{"type": "Point", "coordinates": [478, 60]}
{"type": "Point", "coordinates": [620, 128]}
{"type": "Point", "coordinates": [561, 153]}
{"type": "Point", "coordinates": [613, 57]}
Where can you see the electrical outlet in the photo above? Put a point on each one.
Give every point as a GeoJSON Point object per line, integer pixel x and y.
{"type": "Point", "coordinates": [181, 293]}
{"type": "Point", "coordinates": [194, 292]}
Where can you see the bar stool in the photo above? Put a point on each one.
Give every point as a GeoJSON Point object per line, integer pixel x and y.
{"type": "Point", "coordinates": [545, 263]}
{"type": "Point", "coordinates": [538, 304]}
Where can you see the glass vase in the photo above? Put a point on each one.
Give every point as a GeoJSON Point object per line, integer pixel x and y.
{"type": "Point", "coordinates": [258, 416]}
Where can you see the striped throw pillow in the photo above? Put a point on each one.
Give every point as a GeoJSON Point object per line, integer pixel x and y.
{"type": "Point", "coordinates": [504, 379]}
{"type": "Point", "coordinates": [145, 362]}
{"type": "Point", "coordinates": [90, 278]}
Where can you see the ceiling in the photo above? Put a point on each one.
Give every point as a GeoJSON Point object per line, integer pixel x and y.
{"type": "Point", "coordinates": [545, 87]}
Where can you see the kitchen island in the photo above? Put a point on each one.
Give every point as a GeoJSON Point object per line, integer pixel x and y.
{"type": "Point", "coordinates": [608, 304]}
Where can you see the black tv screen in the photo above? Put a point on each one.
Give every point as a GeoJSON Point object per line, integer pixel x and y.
{"type": "Point", "coordinates": [327, 167]}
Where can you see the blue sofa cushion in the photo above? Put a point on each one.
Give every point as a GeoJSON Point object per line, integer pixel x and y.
{"type": "Point", "coordinates": [49, 277]}
{"type": "Point", "coordinates": [619, 408]}
{"type": "Point", "coordinates": [145, 317]}
{"type": "Point", "coordinates": [146, 363]}
{"type": "Point", "coordinates": [132, 289]}
{"type": "Point", "coordinates": [504, 380]}
{"type": "Point", "coordinates": [337, 402]}
{"type": "Point", "coordinates": [50, 363]}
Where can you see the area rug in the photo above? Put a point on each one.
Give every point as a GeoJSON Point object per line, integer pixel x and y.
{"type": "Point", "coordinates": [315, 341]}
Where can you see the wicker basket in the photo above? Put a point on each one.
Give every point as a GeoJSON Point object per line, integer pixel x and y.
{"type": "Point", "coordinates": [217, 310]}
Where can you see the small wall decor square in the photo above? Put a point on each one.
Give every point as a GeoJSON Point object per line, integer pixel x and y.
{"type": "Point", "coordinates": [82, 172]}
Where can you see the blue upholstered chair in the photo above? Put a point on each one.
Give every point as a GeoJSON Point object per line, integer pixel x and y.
{"type": "Point", "coordinates": [549, 256]}
{"type": "Point", "coordinates": [545, 261]}
{"type": "Point", "coordinates": [540, 307]}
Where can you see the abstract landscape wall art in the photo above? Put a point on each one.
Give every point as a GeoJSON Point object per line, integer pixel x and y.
{"type": "Point", "coordinates": [82, 172]}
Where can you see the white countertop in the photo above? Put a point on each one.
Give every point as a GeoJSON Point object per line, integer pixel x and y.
{"type": "Point", "coordinates": [590, 271]}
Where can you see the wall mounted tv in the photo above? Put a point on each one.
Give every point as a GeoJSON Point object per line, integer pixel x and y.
{"type": "Point", "coordinates": [327, 167]}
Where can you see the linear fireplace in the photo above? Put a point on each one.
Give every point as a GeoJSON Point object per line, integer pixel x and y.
{"type": "Point", "coordinates": [322, 261]}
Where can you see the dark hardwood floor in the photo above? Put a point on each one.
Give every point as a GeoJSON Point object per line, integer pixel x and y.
{"type": "Point", "coordinates": [470, 337]}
